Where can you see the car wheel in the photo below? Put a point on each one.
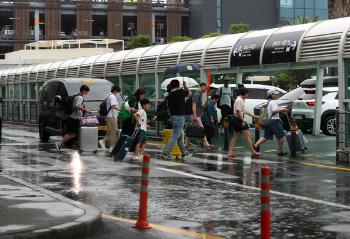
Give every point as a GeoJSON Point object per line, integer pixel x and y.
{"type": "Point", "coordinates": [43, 134]}
{"type": "Point", "coordinates": [329, 125]}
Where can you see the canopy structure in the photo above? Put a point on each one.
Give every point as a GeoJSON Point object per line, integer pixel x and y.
{"type": "Point", "coordinates": [314, 45]}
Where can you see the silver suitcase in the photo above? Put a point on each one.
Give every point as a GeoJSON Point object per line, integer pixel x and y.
{"type": "Point", "coordinates": [88, 139]}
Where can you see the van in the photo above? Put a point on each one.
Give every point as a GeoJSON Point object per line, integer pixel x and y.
{"type": "Point", "coordinates": [52, 99]}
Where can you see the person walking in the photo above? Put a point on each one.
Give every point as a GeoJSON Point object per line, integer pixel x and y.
{"type": "Point", "coordinates": [177, 109]}
{"type": "Point", "coordinates": [275, 127]}
{"type": "Point", "coordinates": [141, 137]}
{"type": "Point", "coordinates": [226, 97]}
{"type": "Point", "coordinates": [73, 122]}
{"type": "Point", "coordinates": [111, 119]}
{"type": "Point", "coordinates": [240, 126]}
{"type": "Point", "coordinates": [210, 118]}
{"type": "Point", "coordinates": [132, 105]}
{"type": "Point", "coordinates": [197, 110]}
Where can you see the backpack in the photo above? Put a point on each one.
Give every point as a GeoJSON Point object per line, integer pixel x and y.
{"type": "Point", "coordinates": [264, 116]}
{"type": "Point", "coordinates": [68, 106]}
{"type": "Point", "coordinates": [162, 110]}
{"type": "Point", "coordinates": [103, 107]}
{"type": "Point", "coordinates": [188, 106]}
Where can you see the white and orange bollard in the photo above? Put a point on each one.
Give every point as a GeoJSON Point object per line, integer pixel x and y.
{"type": "Point", "coordinates": [265, 215]}
{"type": "Point", "coordinates": [142, 222]}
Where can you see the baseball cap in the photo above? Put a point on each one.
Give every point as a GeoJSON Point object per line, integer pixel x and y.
{"type": "Point", "coordinates": [271, 92]}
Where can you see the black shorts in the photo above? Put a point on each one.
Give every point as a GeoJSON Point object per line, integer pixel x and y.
{"type": "Point", "coordinates": [72, 126]}
{"type": "Point", "coordinates": [237, 125]}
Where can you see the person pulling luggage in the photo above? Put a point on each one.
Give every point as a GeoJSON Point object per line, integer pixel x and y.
{"type": "Point", "coordinates": [274, 127]}
{"type": "Point", "coordinates": [73, 122]}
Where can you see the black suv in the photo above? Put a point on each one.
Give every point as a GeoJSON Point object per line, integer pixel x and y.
{"type": "Point", "coordinates": [53, 96]}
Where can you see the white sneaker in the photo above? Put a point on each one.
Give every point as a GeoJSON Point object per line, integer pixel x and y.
{"type": "Point", "coordinates": [102, 144]}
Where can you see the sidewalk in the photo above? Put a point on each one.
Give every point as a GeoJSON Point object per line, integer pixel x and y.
{"type": "Point", "coordinates": [28, 211]}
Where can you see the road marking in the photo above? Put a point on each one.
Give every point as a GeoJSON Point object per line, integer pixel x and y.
{"type": "Point", "coordinates": [166, 229]}
{"type": "Point", "coordinates": [307, 155]}
{"type": "Point", "coordinates": [270, 150]}
{"type": "Point", "coordinates": [258, 189]}
{"type": "Point", "coordinates": [325, 166]}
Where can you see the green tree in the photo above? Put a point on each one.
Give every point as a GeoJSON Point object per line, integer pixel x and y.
{"type": "Point", "coordinates": [139, 41]}
{"type": "Point", "coordinates": [290, 79]}
{"type": "Point", "coordinates": [213, 34]}
{"type": "Point", "coordinates": [180, 38]}
{"type": "Point", "coordinates": [239, 28]}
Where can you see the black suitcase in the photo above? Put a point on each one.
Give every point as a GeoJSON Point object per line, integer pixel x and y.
{"type": "Point", "coordinates": [123, 146]}
{"type": "Point", "coordinates": [300, 138]}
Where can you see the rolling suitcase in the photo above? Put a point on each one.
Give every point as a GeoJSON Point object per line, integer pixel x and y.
{"type": "Point", "coordinates": [300, 139]}
{"type": "Point", "coordinates": [300, 143]}
{"type": "Point", "coordinates": [123, 146]}
{"type": "Point", "coordinates": [88, 138]}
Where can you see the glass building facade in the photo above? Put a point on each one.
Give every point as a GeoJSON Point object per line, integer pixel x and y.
{"type": "Point", "coordinates": [302, 11]}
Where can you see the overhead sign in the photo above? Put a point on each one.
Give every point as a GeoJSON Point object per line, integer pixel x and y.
{"type": "Point", "coordinates": [246, 52]}
{"type": "Point", "coordinates": [282, 47]}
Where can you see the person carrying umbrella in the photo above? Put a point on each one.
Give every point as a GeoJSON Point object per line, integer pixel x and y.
{"type": "Point", "coordinates": [176, 104]}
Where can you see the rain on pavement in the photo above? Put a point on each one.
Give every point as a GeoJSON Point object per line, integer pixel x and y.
{"type": "Point", "coordinates": [207, 193]}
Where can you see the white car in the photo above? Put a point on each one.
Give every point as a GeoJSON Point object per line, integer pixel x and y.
{"type": "Point", "coordinates": [257, 95]}
{"type": "Point", "coordinates": [303, 110]}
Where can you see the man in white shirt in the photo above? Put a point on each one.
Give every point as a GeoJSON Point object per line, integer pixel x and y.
{"type": "Point", "coordinates": [111, 119]}
{"type": "Point", "coordinates": [275, 127]}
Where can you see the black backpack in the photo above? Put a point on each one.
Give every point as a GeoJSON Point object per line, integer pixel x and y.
{"type": "Point", "coordinates": [188, 106]}
{"type": "Point", "coordinates": [103, 107]}
{"type": "Point", "coordinates": [162, 110]}
{"type": "Point", "coordinates": [68, 106]}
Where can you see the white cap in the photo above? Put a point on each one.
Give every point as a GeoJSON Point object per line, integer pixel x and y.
{"type": "Point", "coordinates": [272, 92]}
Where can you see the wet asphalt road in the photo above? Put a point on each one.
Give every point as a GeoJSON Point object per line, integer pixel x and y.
{"type": "Point", "coordinates": [207, 194]}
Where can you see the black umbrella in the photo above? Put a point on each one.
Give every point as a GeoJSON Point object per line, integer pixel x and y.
{"type": "Point", "coordinates": [180, 68]}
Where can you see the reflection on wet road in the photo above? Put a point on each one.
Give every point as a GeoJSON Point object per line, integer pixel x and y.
{"type": "Point", "coordinates": [207, 194]}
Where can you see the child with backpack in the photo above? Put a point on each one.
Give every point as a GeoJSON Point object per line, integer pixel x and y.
{"type": "Point", "coordinates": [141, 137]}
{"type": "Point", "coordinates": [272, 122]}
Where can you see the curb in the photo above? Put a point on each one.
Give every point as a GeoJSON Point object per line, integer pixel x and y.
{"type": "Point", "coordinates": [79, 228]}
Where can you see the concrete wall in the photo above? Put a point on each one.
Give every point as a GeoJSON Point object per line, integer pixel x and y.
{"type": "Point", "coordinates": [259, 14]}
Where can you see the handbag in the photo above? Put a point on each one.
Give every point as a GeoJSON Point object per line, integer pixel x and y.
{"type": "Point", "coordinates": [194, 131]}
{"type": "Point", "coordinates": [89, 121]}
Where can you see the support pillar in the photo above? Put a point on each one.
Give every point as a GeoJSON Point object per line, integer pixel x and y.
{"type": "Point", "coordinates": [21, 23]}
{"type": "Point", "coordinates": [318, 98]}
{"type": "Point", "coordinates": [115, 19]}
{"type": "Point", "coordinates": [53, 20]}
{"type": "Point", "coordinates": [239, 78]}
{"type": "Point", "coordinates": [144, 17]}
{"type": "Point", "coordinates": [84, 19]}
{"type": "Point", "coordinates": [173, 19]}
{"type": "Point", "coordinates": [36, 25]}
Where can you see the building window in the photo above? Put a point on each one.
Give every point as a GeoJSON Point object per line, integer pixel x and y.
{"type": "Point", "coordinates": [302, 11]}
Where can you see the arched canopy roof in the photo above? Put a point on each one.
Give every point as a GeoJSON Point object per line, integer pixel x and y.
{"type": "Point", "coordinates": [314, 42]}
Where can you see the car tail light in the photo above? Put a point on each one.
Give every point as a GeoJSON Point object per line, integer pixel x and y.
{"type": "Point", "coordinates": [312, 103]}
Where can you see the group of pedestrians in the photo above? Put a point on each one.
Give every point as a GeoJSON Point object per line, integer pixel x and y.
{"type": "Point", "coordinates": [204, 115]}
{"type": "Point", "coordinates": [132, 114]}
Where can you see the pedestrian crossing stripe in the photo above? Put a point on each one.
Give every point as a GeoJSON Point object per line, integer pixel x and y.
{"type": "Point", "coordinates": [270, 150]}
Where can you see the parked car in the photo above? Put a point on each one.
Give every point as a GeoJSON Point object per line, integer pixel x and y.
{"type": "Point", "coordinates": [53, 96]}
{"type": "Point", "coordinates": [303, 111]}
{"type": "Point", "coordinates": [257, 95]}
